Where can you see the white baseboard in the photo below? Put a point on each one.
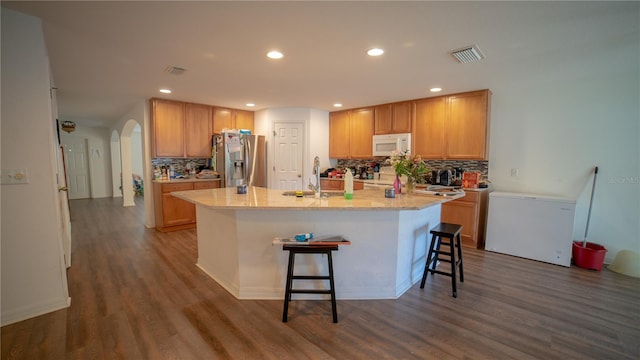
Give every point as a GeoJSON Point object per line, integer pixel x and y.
{"type": "Point", "coordinates": [27, 312]}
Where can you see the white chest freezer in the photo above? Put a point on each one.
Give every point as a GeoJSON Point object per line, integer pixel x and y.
{"type": "Point", "coordinates": [531, 226]}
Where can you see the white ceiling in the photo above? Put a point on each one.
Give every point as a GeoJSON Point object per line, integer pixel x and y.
{"type": "Point", "coordinates": [108, 56]}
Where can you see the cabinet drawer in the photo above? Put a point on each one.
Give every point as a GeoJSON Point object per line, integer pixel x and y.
{"type": "Point", "coordinates": [166, 188]}
{"type": "Point", "coordinates": [328, 184]}
{"type": "Point", "coordinates": [470, 196]}
{"type": "Point", "coordinates": [206, 185]}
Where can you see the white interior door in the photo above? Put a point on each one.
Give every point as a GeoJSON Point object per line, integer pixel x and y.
{"type": "Point", "coordinates": [77, 168]}
{"type": "Point", "coordinates": [288, 152]}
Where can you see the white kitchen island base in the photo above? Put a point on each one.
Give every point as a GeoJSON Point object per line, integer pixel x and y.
{"type": "Point", "coordinates": [385, 258]}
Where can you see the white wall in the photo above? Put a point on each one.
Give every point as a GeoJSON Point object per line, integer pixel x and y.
{"type": "Point", "coordinates": [99, 156]}
{"type": "Point", "coordinates": [140, 114]}
{"type": "Point", "coordinates": [137, 166]}
{"type": "Point", "coordinates": [557, 122]}
{"type": "Point", "coordinates": [34, 278]}
{"type": "Point", "coordinates": [116, 164]}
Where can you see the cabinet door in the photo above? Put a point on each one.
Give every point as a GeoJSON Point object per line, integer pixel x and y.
{"type": "Point", "coordinates": [428, 128]}
{"type": "Point", "coordinates": [168, 128]}
{"type": "Point", "coordinates": [339, 133]}
{"type": "Point", "coordinates": [198, 130]}
{"type": "Point", "coordinates": [244, 120]}
{"type": "Point", "coordinates": [402, 112]}
{"type": "Point", "coordinates": [222, 118]}
{"type": "Point", "coordinates": [360, 141]}
{"type": "Point", "coordinates": [177, 211]}
{"type": "Point", "coordinates": [383, 119]}
{"type": "Point", "coordinates": [466, 130]}
{"type": "Point", "coordinates": [463, 213]}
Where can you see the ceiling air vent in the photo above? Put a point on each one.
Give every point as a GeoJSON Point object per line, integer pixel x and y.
{"type": "Point", "coordinates": [468, 54]}
{"type": "Point", "coordinates": [174, 70]}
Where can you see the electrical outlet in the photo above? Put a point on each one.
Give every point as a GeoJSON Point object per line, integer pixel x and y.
{"type": "Point", "coordinates": [14, 176]}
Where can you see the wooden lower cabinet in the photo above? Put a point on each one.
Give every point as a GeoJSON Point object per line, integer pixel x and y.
{"type": "Point", "coordinates": [469, 211]}
{"type": "Point", "coordinates": [171, 213]}
{"type": "Point", "coordinates": [338, 184]}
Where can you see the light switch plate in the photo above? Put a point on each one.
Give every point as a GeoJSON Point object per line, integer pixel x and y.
{"type": "Point", "coordinates": [14, 176]}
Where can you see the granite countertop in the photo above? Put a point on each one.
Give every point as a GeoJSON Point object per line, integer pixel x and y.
{"type": "Point", "coordinates": [258, 198]}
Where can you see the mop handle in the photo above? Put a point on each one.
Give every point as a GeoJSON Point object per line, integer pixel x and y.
{"type": "Point", "coordinates": [593, 188]}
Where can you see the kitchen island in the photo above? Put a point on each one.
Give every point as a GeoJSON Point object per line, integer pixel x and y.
{"type": "Point", "coordinates": [386, 256]}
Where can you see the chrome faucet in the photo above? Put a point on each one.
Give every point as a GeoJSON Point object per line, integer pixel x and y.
{"type": "Point", "coordinates": [316, 172]}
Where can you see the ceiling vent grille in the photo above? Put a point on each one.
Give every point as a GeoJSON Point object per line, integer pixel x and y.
{"type": "Point", "coordinates": [175, 70]}
{"type": "Point", "coordinates": [468, 54]}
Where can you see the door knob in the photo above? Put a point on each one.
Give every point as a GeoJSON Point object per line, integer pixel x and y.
{"type": "Point", "coordinates": [299, 175]}
{"type": "Point", "coordinates": [64, 188]}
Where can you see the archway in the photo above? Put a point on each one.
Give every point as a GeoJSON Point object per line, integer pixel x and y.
{"type": "Point", "coordinates": [126, 148]}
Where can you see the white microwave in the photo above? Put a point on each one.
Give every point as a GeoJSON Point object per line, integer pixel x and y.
{"type": "Point", "coordinates": [385, 145]}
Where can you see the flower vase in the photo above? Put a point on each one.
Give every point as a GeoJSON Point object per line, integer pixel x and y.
{"type": "Point", "coordinates": [411, 184]}
{"type": "Point", "coordinates": [397, 185]}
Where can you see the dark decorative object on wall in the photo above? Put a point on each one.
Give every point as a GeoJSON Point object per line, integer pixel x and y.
{"type": "Point", "coordinates": [68, 126]}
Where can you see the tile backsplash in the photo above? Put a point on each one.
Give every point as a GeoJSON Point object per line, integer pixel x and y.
{"type": "Point", "coordinates": [468, 165]}
{"type": "Point", "coordinates": [180, 165]}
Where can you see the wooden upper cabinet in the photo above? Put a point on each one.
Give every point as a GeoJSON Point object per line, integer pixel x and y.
{"type": "Point", "coordinates": [168, 118]}
{"type": "Point", "coordinates": [222, 119]}
{"type": "Point", "coordinates": [231, 119]}
{"type": "Point", "coordinates": [198, 130]}
{"type": "Point", "coordinates": [244, 119]}
{"type": "Point", "coordinates": [402, 115]}
{"type": "Point", "coordinates": [467, 125]}
{"type": "Point", "coordinates": [393, 118]}
{"type": "Point", "coordinates": [184, 129]}
{"type": "Point", "coordinates": [428, 137]}
{"type": "Point", "coordinates": [383, 119]}
{"type": "Point", "coordinates": [339, 134]}
{"type": "Point", "coordinates": [361, 133]}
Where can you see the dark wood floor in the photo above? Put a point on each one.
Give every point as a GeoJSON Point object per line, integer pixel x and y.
{"type": "Point", "coordinates": [136, 294]}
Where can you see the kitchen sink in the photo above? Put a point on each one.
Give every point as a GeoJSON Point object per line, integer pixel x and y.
{"type": "Point", "coordinates": [439, 190]}
{"type": "Point", "coordinates": [309, 193]}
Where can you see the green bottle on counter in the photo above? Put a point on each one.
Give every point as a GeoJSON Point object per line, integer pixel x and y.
{"type": "Point", "coordinates": [348, 185]}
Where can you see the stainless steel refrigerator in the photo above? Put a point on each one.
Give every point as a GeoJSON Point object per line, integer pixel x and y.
{"type": "Point", "coordinates": [240, 159]}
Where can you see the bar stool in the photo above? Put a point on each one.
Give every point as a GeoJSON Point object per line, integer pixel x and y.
{"type": "Point", "coordinates": [309, 249]}
{"type": "Point", "coordinates": [451, 232]}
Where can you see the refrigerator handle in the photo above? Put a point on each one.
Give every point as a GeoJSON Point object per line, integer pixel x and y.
{"type": "Point", "coordinates": [249, 161]}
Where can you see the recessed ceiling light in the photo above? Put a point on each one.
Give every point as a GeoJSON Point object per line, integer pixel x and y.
{"type": "Point", "coordinates": [250, 104]}
{"type": "Point", "coordinates": [337, 105]}
{"type": "Point", "coordinates": [275, 54]}
{"type": "Point", "coordinates": [375, 52]}
{"type": "Point", "coordinates": [435, 89]}
{"type": "Point", "coordinates": [165, 91]}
